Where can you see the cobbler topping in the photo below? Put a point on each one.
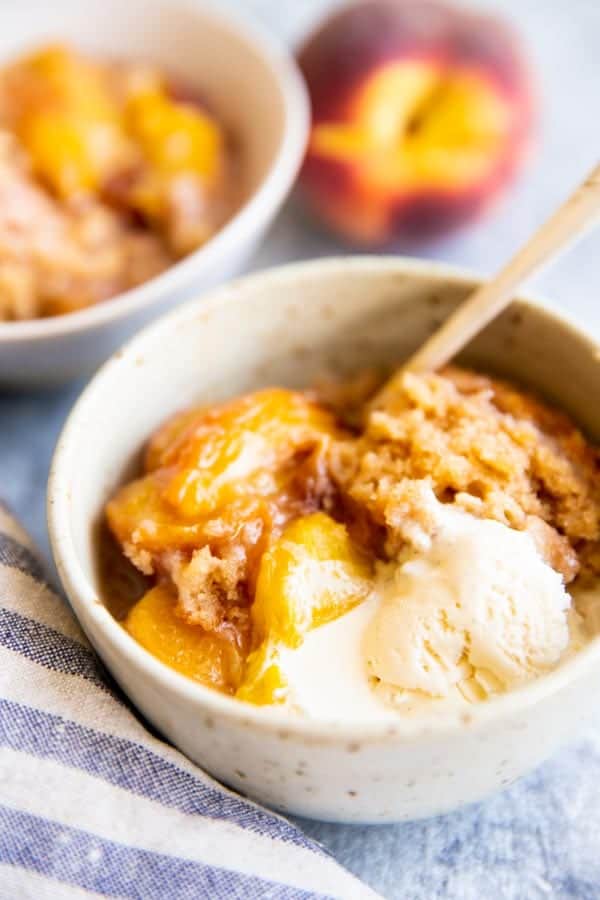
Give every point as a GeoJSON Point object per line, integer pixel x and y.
{"type": "Point", "coordinates": [492, 450]}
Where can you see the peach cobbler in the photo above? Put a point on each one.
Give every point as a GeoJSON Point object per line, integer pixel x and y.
{"type": "Point", "coordinates": [379, 550]}
{"type": "Point", "coordinates": [109, 173]}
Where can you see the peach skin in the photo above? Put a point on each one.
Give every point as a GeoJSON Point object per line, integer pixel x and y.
{"type": "Point", "coordinates": [421, 115]}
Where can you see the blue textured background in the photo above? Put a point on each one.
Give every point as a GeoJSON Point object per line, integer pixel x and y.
{"type": "Point", "coordinates": [541, 838]}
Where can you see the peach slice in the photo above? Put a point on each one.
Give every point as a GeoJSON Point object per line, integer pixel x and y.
{"type": "Point", "coordinates": [67, 120]}
{"type": "Point", "coordinates": [206, 461]}
{"type": "Point", "coordinates": [204, 656]}
{"type": "Point", "coordinates": [312, 575]}
{"type": "Point", "coordinates": [236, 448]}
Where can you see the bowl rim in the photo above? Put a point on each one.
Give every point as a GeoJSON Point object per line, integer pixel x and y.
{"type": "Point", "coordinates": [81, 592]}
{"type": "Point", "coordinates": [269, 193]}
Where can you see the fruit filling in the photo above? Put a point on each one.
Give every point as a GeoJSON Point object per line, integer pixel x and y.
{"type": "Point", "coordinates": [107, 178]}
{"type": "Point", "coordinates": [361, 550]}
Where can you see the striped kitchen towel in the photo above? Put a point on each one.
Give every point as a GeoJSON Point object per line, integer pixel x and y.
{"type": "Point", "coordinates": [91, 804]}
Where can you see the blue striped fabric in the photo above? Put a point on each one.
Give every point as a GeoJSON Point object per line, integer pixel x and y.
{"type": "Point", "coordinates": [91, 804]}
{"type": "Point", "coordinates": [48, 647]}
{"type": "Point", "coordinates": [120, 871]}
{"type": "Point", "coordinates": [17, 556]}
{"type": "Point", "coordinates": [52, 737]}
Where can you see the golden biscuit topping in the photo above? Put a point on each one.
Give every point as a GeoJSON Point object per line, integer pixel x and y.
{"type": "Point", "coordinates": [497, 452]}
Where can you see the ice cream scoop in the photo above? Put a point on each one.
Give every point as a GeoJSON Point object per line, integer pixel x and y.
{"type": "Point", "coordinates": [477, 608]}
{"type": "Point", "coordinates": [327, 677]}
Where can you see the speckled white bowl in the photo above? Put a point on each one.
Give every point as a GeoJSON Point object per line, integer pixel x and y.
{"type": "Point", "coordinates": [257, 91]}
{"type": "Point", "coordinates": [286, 326]}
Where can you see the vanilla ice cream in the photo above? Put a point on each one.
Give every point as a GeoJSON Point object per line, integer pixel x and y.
{"type": "Point", "coordinates": [469, 610]}
{"type": "Point", "coordinates": [327, 677]}
{"type": "Point", "coordinates": [475, 608]}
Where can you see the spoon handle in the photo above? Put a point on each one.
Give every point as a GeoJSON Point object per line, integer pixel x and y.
{"type": "Point", "coordinates": [568, 223]}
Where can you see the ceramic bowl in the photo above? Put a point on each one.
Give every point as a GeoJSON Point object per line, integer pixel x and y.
{"type": "Point", "coordinates": [288, 326]}
{"type": "Point", "coordinates": [254, 86]}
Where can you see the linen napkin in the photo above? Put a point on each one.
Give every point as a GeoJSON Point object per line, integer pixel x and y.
{"type": "Point", "coordinates": [91, 804]}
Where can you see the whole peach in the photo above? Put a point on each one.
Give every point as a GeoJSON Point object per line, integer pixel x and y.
{"type": "Point", "coordinates": [421, 113]}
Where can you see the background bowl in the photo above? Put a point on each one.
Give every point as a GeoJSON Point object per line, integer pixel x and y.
{"type": "Point", "coordinates": [255, 89]}
{"type": "Point", "coordinates": [288, 326]}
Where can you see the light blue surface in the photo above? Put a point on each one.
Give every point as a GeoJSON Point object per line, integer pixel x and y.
{"type": "Point", "coordinates": [542, 837]}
